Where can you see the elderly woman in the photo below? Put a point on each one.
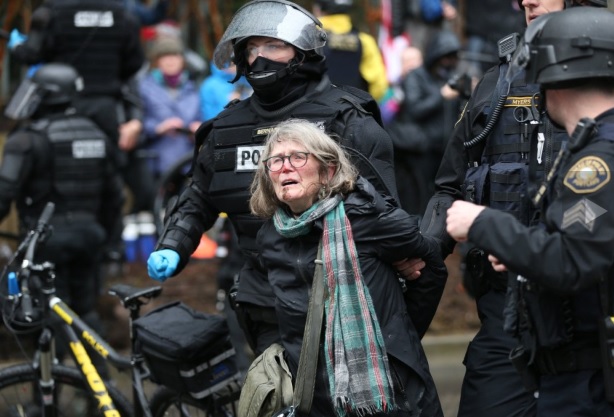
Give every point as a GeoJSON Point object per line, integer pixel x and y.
{"type": "Point", "coordinates": [311, 193]}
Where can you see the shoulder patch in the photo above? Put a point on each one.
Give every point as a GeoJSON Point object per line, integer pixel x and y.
{"type": "Point", "coordinates": [587, 175]}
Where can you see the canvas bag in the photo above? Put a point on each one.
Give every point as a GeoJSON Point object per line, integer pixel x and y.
{"type": "Point", "coordinates": [268, 384]}
{"type": "Point", "coordinates": [267, 390]}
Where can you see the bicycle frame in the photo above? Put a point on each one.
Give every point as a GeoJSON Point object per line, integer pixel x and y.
{"type": "Point", "coordinates": [77, 332]}
{"type": "Point", "coordinates": [55, 313]}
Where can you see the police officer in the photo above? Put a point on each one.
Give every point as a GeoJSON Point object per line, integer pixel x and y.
{"type": "Point", "coordinates": [564, 266]}
{"type": "Point", "coordinates": [100, 38]}
{"type": "Point", "coordinates": [97, 37]}
{"type": "Point", "coordinates": [56, 155]}
{"type": "Point", "coordinates": [352, 57]}
{"type": "Point", "coordinates": [274, 44]}
{"type": "Point", "coordinates": [498, 154]}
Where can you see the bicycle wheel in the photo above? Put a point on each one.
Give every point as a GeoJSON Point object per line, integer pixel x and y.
{"type": "Point", "coordinates": [19, 394]}
{"type": "Point", "coordinates": [168, 403]}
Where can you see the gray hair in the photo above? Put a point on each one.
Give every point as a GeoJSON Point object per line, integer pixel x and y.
{"type": "Point", "coordinates": [322, 147]}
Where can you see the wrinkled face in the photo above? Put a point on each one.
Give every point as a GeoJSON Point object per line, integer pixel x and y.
{"type": "Point", "coordinates": [170, 64]}
{"type": "Point", "coordinates": [298, 187]}
{"type": "Point", "coordinates": [535, 8]}
{"type": "Point", "coordinates": [269, 48]}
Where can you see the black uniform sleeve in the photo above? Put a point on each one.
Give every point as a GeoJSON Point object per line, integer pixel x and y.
{"type": "Point", "coordinates": [395, 235]}
{"type": "Point", "coordinates": [453, 168]}
{"type": "Point", "coordinates": [131, 100]}
{"type": "Point", "coordinates": [193, 213]}
{"type": "Point", "coordinates": [31, 51]}
{"type": "Point", "coordinates": [575, 249]}
{"type": "Point", "coordinates": [132, 55]}
{"type": "Point", "coordinates": [17, 163]}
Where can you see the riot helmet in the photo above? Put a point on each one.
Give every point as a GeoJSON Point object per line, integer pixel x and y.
{"type": "Point", "coordinates": [60, 82]}
{"type": "Point", "coordinates": [52, 84]}
{"type": "Point", "coordinates": [279, 19]}
{"type": "Point", "coordinates": [575, 44]}
{"type": "Point", "coordinates": [335, 6]}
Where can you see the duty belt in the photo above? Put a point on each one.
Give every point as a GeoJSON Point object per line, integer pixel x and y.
{"type": "Point", "coordinates": [564, 360]}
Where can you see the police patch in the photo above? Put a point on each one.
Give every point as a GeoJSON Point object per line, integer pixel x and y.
{"type": "Point", "coordinates": [587, 175]}
{"type": "Point", "coordinates": [248, 158]}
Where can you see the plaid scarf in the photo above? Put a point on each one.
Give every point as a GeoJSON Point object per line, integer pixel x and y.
{"type": "Point", "coordinates": [355, 355]}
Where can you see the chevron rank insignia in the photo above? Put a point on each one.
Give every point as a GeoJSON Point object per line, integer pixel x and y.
{"type": "Point", "coordinates": [584, 212]}
{"type": "Point", "coordinates": [587, 175]}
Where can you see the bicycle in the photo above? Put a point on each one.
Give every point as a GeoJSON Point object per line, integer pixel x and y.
{"type": "Point", "coordinates": [44, 387]}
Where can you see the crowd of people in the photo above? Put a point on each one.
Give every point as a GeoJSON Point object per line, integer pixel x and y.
{"type": "Point", "coordinates": [495, 142]}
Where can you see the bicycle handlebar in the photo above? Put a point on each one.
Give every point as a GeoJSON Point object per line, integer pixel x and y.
{"type": "Point", "coordinates": [41, 227]}
{"type": "Point", "coordinates": [30, 243]}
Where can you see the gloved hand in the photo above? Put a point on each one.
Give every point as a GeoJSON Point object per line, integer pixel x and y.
{"type": "Point", "coordinates": [162, 264]}
{"type": "Point", "coordinates": [15, 38]}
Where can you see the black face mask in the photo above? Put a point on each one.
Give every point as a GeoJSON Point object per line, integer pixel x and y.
{"type": "Point", "coordinates": [269, 78]}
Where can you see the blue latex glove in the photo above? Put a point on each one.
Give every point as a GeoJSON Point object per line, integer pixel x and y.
{"type": "Point", "coordinates": [162, 264]}
{"type": "Point", "coordinates": [15, 38]}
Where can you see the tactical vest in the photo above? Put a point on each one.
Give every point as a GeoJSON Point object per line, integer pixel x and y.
{"type": "Point", "coordinates": [516, 154]}
{"type": "Point", "coordinates": [238, 136]}
{"type": "Point", "coordinates": [343, 53]}
{"type": "Point", "coordinates": [89, 33]}
{"type": "Point", "coordinates": [553, 315]}
{"type": "Point", "coordinates": [73, 178]}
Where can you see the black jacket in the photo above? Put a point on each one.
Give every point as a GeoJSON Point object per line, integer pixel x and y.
{"type": "Point", "coordinates": [572, 254]}
{"type": "Point", "coordinates": [382, 234]}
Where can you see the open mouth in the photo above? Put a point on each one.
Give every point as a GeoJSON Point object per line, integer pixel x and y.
{"type": "Point", "coordinates": [288, 182]}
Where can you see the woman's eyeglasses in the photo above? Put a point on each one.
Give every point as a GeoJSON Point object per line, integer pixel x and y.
{"type": "Point", "coordinates": [296, 159]}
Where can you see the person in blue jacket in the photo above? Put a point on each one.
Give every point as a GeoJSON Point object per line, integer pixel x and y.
{"type": "Point", "coordinates": [216, 91]}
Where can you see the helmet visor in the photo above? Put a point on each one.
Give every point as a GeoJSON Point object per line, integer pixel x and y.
{"type": "Point", "coordinates": [24, 101]}
{"type": "Point", "coordinates": [275, 19]}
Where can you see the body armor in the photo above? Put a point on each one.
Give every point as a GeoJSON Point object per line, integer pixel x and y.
{"type": "Point", "coordinates": [70, 180]}
{"type": "Point", "coordinates": [89, 34]}
{"type": "Point", "coordinates": [516, 155]}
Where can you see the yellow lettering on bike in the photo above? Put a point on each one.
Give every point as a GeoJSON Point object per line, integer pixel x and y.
{"type": "Point", "coordinates": [63, 315]}
{"type": "Point", "coordinates": [94, 380]}
{"type": "Point", "coordinates": [104, 400]}
{"type": "Point", "coordinates": [92, 341]}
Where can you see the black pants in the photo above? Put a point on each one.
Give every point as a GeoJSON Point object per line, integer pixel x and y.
{"type": "Point", "coordinates": [75, 249]}
{"type": "Point", "coordinates": [259, 326]}
{"type": "Point", "coordinates": [578, 393]}
{"type": "Point", "coordinates": [492, 387]}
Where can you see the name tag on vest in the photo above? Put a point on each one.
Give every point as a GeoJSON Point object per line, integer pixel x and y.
{"type": "Point", "coordinates": [82, 149]}
{"type": "Point", "coordinates": [91, 19]}
{"type": "Point", "coordinates": [248, 158]}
